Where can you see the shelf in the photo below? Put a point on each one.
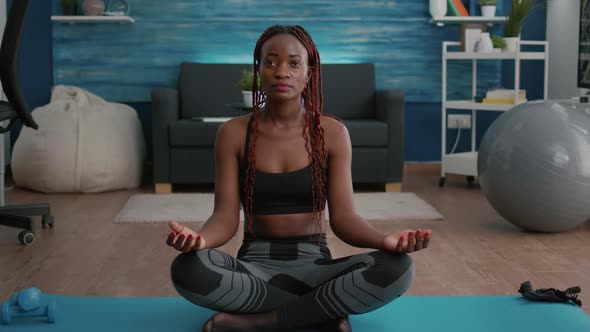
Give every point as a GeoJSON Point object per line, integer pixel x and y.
{"type": "Point", "coordinates": [496, 55]}
{"type": "Point", "coordinates": [460, 163]}
{"type": "Point", "coordinates": [92, 19]}
{"type": "Point", "coordinates": [471, 105]}
{"type": "Point", "coordinates": [211, 119]}
{"type": "Point", "coordinates": [465, 163]}
{"type": "Point", "coordinates": [467, 19]}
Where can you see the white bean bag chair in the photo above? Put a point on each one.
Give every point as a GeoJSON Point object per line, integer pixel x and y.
{"type": "Point", "coordinates": [83, 144]}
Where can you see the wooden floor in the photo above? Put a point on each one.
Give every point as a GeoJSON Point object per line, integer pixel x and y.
{"type": "Point", "coordinates": [473, 250]}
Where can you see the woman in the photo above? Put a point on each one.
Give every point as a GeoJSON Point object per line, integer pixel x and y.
{"type": "Point", "coordinates": [284, 162]}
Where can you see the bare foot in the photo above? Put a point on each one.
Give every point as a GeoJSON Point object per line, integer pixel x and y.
{"type": "Point", "coordinates": [226, 322]}
{"type": "Point", "coordinates": [343, 325]}
{"type": "Point", "coordinates": [337, 325]}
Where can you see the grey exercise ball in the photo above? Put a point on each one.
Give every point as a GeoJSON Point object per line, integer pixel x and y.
{"type": "Point", "coordinates": [534, 165]}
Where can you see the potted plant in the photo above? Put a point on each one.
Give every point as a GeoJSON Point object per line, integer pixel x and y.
{"type": "Point", "coordinates": [488, 8]}
{"type": "Point", "coordinates": [519, 10]}
{"type": "Point", "coordinates": [499, 43]}
{"type": "Point", "coordinates": [69, 7]}
{"type": "Point", "coordinates": [246, 83]}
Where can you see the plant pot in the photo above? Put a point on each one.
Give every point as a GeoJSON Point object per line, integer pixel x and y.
{"type": "Point", "coordinates": [488, 11]}
{"type": "Point", "coordinates": [247, 95]}
{"type": "Point", "coordinates": [438, 8]}
{"type": "Point", "coordinates": [512, 44]}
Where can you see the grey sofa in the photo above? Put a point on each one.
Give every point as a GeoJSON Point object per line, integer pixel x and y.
{"type": "Point", "coordinates": [183, 146]}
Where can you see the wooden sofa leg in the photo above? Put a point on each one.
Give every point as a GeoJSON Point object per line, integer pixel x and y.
{"type": "Point", "coordinates": [393, 187]}
{"type": "Point", "coordinates": [163, 188]}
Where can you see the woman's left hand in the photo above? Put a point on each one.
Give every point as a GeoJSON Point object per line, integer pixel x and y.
{"type": "Point", "coordinates": [407, 241]}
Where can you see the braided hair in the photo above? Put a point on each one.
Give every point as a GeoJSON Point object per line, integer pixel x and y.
{"type": "Point", "coordinates": [312, 130]}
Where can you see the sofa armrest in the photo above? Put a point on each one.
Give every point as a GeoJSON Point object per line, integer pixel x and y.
{"type": "Point", "coordinates": [165, 109]}
{"type": "Point", "coordinates": [390, 108]}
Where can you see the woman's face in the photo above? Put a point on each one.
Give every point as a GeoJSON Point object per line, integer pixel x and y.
{"type": "Point", "coordinates": [283, 68]}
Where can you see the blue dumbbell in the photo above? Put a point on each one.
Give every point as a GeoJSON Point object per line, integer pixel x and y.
{"type": "Point", "coordinates": [28, 303]}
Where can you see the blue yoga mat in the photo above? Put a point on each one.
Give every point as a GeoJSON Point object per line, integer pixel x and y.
{"type": "Point", "coordinates": [407, 313]}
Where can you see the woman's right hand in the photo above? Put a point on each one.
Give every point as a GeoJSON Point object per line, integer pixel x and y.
{"type": "Point", "coordinates": [407, 241]}
{"type": "Point", "coordinates": [184, 239]}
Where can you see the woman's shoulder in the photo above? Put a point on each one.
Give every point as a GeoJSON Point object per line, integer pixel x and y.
{"type": "Point", "coordinates": [235, 124]}
{"type": "Point", "coordinates": [333, 126]}
{"type": "Point", "coordinates": [335, 132]}
{"type": "Point", "coordinates": [234, 129]}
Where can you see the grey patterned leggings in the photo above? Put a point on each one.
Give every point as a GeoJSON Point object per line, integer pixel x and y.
{"type": "Point", "coordinates": [295, 276]}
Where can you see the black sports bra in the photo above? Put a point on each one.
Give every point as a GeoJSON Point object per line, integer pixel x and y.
{"type": "Point", "coordinates": [278, 193]}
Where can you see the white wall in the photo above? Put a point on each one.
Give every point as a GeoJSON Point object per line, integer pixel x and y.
{"type": "Point", "coordinates": [563, 19]}
{"type": "Point", "coordinates": [2, 13]}
{"type": "Point", "coordinates": [2, 97]}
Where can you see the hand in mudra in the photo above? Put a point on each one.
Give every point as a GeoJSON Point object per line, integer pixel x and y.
{"type": "Point", "coordinates": [183, 238]}
{"type": "Point", "coordinates": [407, 240]}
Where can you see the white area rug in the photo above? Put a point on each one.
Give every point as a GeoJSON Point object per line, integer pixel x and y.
{"type": "Point", "coordinates": [199, 206]}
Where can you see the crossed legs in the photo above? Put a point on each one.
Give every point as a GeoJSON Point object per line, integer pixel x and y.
{"type": "Point", "coordinates": [317, 292]}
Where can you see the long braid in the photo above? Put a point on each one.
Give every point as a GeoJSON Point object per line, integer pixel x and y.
{"type": "Point", "coordinates": [315, 144]}
{"type": "Point", "coordinates": [313, 132]}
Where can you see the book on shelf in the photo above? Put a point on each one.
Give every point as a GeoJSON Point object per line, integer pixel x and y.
{"type": "Point", "coordinates": [460, 7]}
{"type": "Point", "coordinates": [451, 10]}
{"type": "Point", "coordinates": [501, 93]}
{"type": "Point", "coordinates": [472, 7]}
{"type": "Point", "coordinates": [456, 8]}
{"type": "Point", "coordinates": [503, 100]}
{"type": "Point", "coordinates": [504, 96]}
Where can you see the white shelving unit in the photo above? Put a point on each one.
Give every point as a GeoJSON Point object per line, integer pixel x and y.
{"type": "Point", "coordinates": [92, 19]}
{"type": "Point", "coordinates": [441, 21]}
{"type": "Point", "coordinates": [465, 163]}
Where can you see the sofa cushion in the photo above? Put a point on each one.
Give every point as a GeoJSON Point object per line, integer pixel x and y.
{"type": "Point", "coordinates": [349, 90]}
{"type": "Point", "coordinates": [187, 133]}
{"type": "Point", "coordinates": [193, 133]}
{"type": "Point", "coordinates": [367, 133]}
{"type": "Point", "coordinates": [207, 88]}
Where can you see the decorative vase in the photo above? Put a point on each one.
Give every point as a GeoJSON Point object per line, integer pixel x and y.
{"type": "Point", "coordinates": [438, 8]}
{"type": "Point", "coordinates": [93, 7]}
{"type": "Point", "coordinates": [247, 98]}
{"type": "Point", "coordinates": [488, 11]}
{"type": "Point", "coordinates": [512, 44]}
{"type": "Point", "coordinates": [484, 44]}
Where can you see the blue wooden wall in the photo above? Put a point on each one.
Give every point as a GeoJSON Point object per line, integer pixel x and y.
{"type": "Point", "coordinates": [123, 62]}
{"type": "Point", "coordinates": [422, 130]}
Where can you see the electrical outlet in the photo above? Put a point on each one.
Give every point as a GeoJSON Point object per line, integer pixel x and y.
{"type": "Point", "coordinates": [459, 121]}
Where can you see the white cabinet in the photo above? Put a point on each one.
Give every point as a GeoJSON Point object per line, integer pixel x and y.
{"type": "Point", "coordinates": [465, 163]}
